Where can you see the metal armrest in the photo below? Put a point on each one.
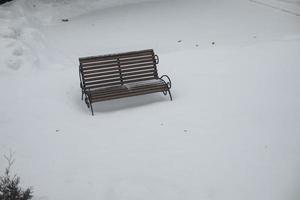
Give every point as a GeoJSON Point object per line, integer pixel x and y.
{"type": "Point", "coordinates": [156, 59]}
{"type": "Point", "coordinates": [169, 83]}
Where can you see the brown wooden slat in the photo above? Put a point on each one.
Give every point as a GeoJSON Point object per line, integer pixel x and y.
{"type": "Point", "coordinates": [99, 71]}
{"type": "Point", "coordinates": [134, 55]}
{"type": "Point", "coordinates": [109, 90]}
{"type": "Point", "coordinates": [126, 95]}
{"type": "Point", "coordinates": [143, 62]}
{"type": "Point", "coordinates": [145, 83]}
{"type": "Point", "coordinates": [103, 81]}
{"type": "Point", "coordinates": [101, 74]}
{"type": "Point", "coordinates": [115, 60]}
{"type": "Point", "coordinates": [133, 61]}
{"type": "Point", "coordinates": [137, 66]}
{"type": "Point", "coordinates": [116, 83]}
{"type": "Point", "coordinates": [137, 80]}
{"type": "Point", "coordinates": [112, 56]}
{"type": "Point", "coordinates": [100, 66]}
{"type": "Point", "coordinates": [124, 92]}
{"type": "Point", "coordinates": [95, 62]}
{"type": "Point", "coordinates": [97, 66]}
{"type": "Point", "coordinates": [151, 72]}
{"type": "Point", "coordinates": [102, 78]}
{"type": "Point", "coordinates": [137, 76]}
{"type": "Point", "coordinates": [125, 89]}
{"type": "Point", "coordinates": [103, 85]}
{"type": "Point", "coordinates": [118, 55]}
{"type": "Point", "coordinates": [147, 57]}
{"type": "Point", "coordinates": [138, 69]}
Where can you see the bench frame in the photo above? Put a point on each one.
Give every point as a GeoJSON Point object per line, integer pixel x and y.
{"type": "Point", "coordinates": [87, 92]}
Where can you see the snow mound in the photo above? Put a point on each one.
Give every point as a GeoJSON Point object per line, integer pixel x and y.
{"type": "Point", "coordinates": [50, 12]}
{"type": "Point", "coordinates": [16, 40]}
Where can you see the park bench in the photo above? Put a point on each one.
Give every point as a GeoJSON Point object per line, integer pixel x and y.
{"type": "Point", "coordinates": [121, 75]}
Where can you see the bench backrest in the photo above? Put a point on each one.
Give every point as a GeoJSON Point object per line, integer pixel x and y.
{"type": "Point", "coordinates": [118, 69]}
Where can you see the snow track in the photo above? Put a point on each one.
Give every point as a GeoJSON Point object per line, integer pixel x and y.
{"type": "Point", "coordinates": [290, 7]}
{"type": "Point", "coordinates": [21, 40]}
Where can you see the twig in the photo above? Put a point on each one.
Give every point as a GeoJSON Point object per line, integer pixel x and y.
{"type": "Point", "coordinates": [9, 159]}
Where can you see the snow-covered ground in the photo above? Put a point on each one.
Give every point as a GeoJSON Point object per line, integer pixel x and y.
{"type": "Point", "coordinates": [231, 132]}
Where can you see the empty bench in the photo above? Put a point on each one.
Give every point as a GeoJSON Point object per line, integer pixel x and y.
{"type": "Point", "coordinates": [121, 75]}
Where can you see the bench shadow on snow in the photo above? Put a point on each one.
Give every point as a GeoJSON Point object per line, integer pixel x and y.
{"type": "Point", "coordinates": [127, 103]}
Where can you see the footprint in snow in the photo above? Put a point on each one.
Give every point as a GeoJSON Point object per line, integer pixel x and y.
{"type": "Point", "coordinates": [11, 44]}
{"type": "Point", "coordinates": [14, 64]}
{"type": "Point", "coordinates": [18, 51]}
{"type": "Point", "coordinates": [12, 33]}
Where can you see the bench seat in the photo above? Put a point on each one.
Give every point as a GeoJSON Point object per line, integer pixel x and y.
{"type": "Point", "coordinates": [127, 90]}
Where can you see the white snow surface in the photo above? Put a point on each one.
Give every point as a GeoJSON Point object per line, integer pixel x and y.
{"type": "Point", "coordinates": [231, 132]}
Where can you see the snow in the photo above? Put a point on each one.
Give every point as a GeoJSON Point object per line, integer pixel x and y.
{"type": "Point", "coordinates": [290, 7]}
{"type": "Point", "coordinates": [231, 131]}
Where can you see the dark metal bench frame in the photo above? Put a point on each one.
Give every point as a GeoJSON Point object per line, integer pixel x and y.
{"type": "Point", "coordinates": [111, 72]}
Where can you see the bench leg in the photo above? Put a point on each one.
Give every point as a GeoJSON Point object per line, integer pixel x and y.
{"type": "Point", "coordinates": [170, 95]}
{"type": "Point", "coordinates": [89, 104]}
{"type": "Point", "coordinates": [92, 109]}
{"type": "Point", "coordinates": [81, 95]}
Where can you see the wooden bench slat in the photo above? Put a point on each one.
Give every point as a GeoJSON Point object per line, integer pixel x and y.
{"type": "Point", "coordinates": [121, 65]}
{"type": "Point", "coordinates": [137, 63]}
{"type": "Point", "coordinates": [131, 62]}
{"type": "Point", "coordinates": [99, 70]}
{"type": "Point", "coordinates": [116, 83]}
{"type": "Point", "coordinates": [114, 56]}
{"type": "Point", "coordinates": [86, 65]}
{"type": "Point", "coordinates": [101, 74]}
{"type": "Point", "coordinates": [152, 71]}
{"type": "Point", "coordinates": [119, 55]}
{"type": "Point", "coordinates": [116, 89]}
{"type": "Point", "coordinates": [137, 76]}
{"type": "Point", "coordinates": [126, 95]}
{"type": "Point", "coordinates": [117, 75]}
{"type": "Point", "coordinates": [145, 57]}
{"type": "Point", "coordinates": [124, 71]}
{"type": "Point", "coordinates": [112, 93]}
{"type": "Point", "coordinates": [97, 66]}
{"type": "Point", "coordinates": [137, 66]}
{"type": "Point", "coordinates": [137, 80]}
{"type": "Point", "coordinates": [115, 61]}
{"type": "Point", "coordinates": [103, 81]}
{"type": "Point", "coordinates": [103, 85]}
